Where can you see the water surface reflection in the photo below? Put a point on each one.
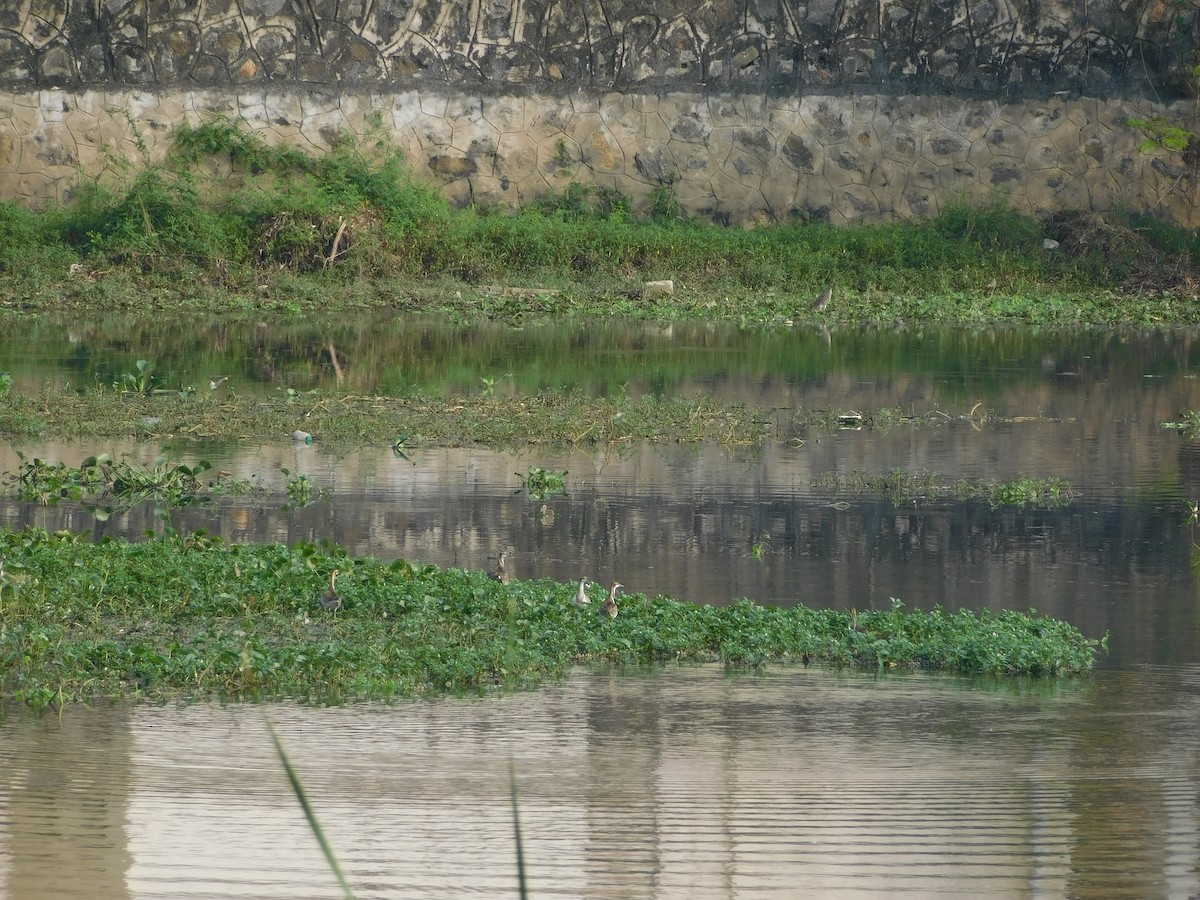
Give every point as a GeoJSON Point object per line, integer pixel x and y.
{"type": "Point", "coordinates": [709, 524]}
{"type": "Point", "coordinates": [676, 783]}
{"type": "Point", "coordinates": [1009, 370]}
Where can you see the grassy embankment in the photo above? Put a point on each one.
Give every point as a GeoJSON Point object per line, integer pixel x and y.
{"type": "Point", "coordinates": [191, 617]}
{"type": "Point", "coordinates": [226, 223]}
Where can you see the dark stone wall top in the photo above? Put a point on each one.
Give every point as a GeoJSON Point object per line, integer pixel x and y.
{"type": "Point", "coordinates": [997, 48]}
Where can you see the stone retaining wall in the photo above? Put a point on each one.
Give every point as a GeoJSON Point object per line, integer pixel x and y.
{"type": "Point", "coordinates": [753, 111]}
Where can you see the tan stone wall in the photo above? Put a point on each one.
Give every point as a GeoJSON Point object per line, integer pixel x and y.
{"type": "Point", "coordinates": [734, 158]}
{"type": "Point", "coordinates": [763, 109]}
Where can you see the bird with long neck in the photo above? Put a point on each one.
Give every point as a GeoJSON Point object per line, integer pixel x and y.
{"type": "Point", "coordinates": [609, 606]}
{"type": "Point", "coordinates": [331, 599]}
{"type": "Point", "coordinates": [501, 573]}
{"type": "Point", "coordinates": [581, 597]}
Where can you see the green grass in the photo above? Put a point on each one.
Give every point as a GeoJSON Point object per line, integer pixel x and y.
{"type": "Point", "coordinates": [1024, 490]}
{"type": "Point", "coordinates": [279, 226]}
{"type": "Point", "coordinates": [555, 417]}
{"type": "Point", "coordinates": [900, 486]}
{"type": "Point", "coordinates": [187, 616]}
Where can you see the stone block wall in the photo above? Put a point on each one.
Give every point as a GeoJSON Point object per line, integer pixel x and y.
{"type": "Point", "coordinates": [753, 111]}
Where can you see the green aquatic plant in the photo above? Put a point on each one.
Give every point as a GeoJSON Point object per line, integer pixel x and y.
{"type": "Point", "coordinates": [900, 486]}
{"type": "Point", "coordinates": [301, 489]}
{"type": "Point", "coordinates": [1043, 493]}
{"type": "Point", "coordinates": [759, 546]}
{"type": "Point", "coordinates": [140, 382]}
{"type": "Point", "coordinates": [1188, 424]}
{"type": "Point", "coordinates": [881, 419]}
{"type": "Point", "coordinates": [310, 815]}
{"type": "Point", "coordinates": [897, 485]}
{"type": "Point", "coordinates": [101, 479]}
{"type": "Point", "coordinates": [191, 616]}
{"type": "Point", "coordinates": [39, 481]}
{"type": "Point", "coordinates": [540, 483]}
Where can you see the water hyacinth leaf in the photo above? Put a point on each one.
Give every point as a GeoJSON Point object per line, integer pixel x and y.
{"type": "Point", "coordinates": [540, 483]}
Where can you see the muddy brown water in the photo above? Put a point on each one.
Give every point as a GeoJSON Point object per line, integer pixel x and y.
{"type": "Point", "coordinates": [676, 783]}
{"type": "Point", "coordinates": [688, 782]}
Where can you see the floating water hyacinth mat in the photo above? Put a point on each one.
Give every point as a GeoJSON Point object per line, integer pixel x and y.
{"type": "Point", "coordinates": [191, 616]}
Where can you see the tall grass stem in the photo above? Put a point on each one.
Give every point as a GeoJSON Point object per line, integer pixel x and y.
{"type": "Point", "coordinates": [522, 886]}
{"type": "Point", "coordinates": [310, 813]}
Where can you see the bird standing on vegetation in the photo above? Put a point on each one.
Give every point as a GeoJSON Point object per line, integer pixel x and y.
{"type": "Point", "coordinates": [581, 597]}
{"type": "Point", "coordinates": [609, 606]}
{"type": "Point", "coordinates": [330, 599]}
{"type": "Point", "coordinates": [501, 573]}
{"type": "Point", "coordinates": [824, 299]}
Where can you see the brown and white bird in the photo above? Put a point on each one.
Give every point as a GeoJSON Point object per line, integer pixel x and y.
{"type": "Point", "coordinates": [609, 606]}
{"type": "Point", "coordinates": [501, 573]}
{"type": "Point", "coordinates": [824, 299]}
{"type": "Point", "coordinates": [330, 599]}
{"type": "Point", "coordinates": [581, 597]}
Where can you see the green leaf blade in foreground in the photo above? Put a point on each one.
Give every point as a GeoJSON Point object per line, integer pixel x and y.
{"type": "Point", "coordinates": [309, 813]}
{"type": "Point", "coordinates": [180, 617]}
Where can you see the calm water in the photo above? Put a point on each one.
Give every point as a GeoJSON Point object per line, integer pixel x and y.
{"type": "Point", "coordinates": [678, 782]}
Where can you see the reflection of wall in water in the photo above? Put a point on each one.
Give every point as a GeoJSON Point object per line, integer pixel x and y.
{"type": "Point", "coordinates": [64, 797]}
